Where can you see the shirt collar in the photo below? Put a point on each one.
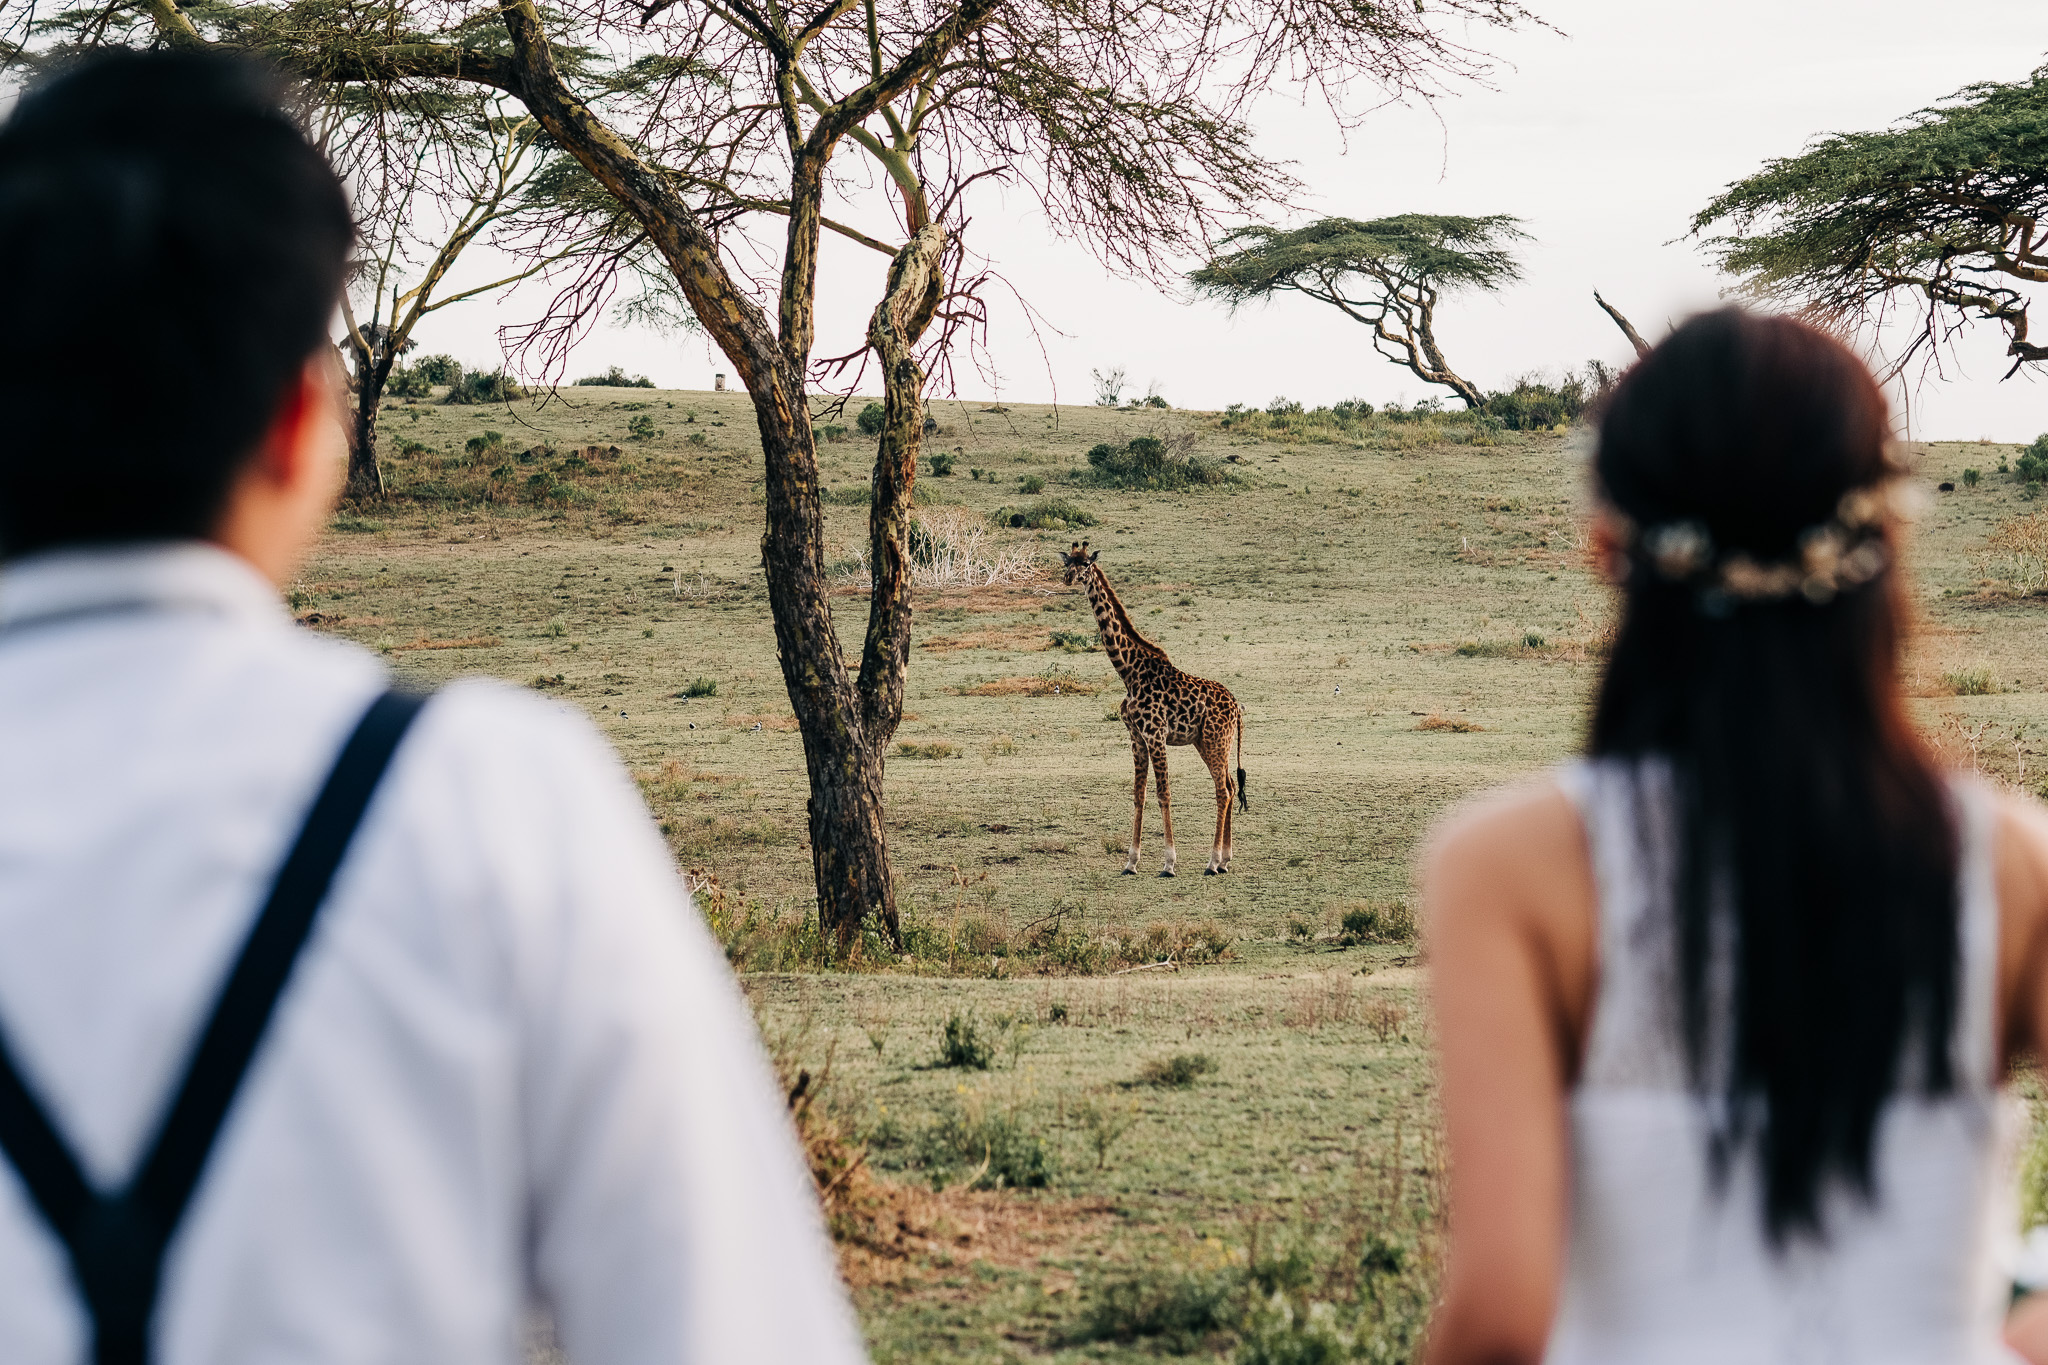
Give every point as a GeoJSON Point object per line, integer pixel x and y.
{"type": "Point", "coordinates": [168, 575]}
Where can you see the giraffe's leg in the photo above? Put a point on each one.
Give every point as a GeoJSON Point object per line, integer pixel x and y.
{"type": "Point", "coordinates": [1165, 805]}
{"type": "Point", "coordinates": [1141, 759]}
{"type": "Point", "coordinates": [1223, 759]}
{"type": "Point", "coordinates": [1212, 754]}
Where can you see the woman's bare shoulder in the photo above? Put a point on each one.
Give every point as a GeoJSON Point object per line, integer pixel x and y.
{"type": "Point", "coordinates": [1516, 848]}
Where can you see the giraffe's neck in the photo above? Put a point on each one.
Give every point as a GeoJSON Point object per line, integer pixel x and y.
{"type": "Point", "coordinates": [1120, 639]}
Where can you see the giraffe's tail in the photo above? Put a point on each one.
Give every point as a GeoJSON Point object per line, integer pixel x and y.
{"type": "Point", "coordinates": [1242, 803]}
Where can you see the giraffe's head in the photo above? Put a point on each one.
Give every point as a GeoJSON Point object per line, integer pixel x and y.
{"type": "Point", "coordinates": [1077, 559]}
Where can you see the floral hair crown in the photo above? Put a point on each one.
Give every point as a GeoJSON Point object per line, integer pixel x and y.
{"type": "Point", "coordinates": [1843, 552]}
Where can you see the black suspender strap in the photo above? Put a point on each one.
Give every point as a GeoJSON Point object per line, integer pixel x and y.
{"type": "Point", "coordinates": [116, 1242]}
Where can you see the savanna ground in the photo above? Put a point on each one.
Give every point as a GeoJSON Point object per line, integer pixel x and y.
{"type": "Point", "coordinates": [1181, 1117]}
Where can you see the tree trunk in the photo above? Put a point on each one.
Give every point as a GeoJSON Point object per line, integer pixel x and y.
{"type": "Point", "coordinates": [849, 843]}
{"type": "Point", "coordinates": [365, 479]}
{"type": "Point", "coordinates": [906, 309]}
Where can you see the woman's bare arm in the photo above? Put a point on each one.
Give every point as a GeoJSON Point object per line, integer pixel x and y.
{"type": "Point", "coordinates": [1509, 898]}
{"type": "Point", "coordinates": [2022, 877]}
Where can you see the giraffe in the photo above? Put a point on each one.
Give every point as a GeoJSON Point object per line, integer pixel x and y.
{"type": "Point", "coordinates": [1163, 706]}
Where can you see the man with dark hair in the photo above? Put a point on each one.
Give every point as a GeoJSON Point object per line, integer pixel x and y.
{"type": "Point", "coordinates": [336, 1025]}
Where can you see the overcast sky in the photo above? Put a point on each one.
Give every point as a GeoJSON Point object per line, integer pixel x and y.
{"type": "Point", "coordinates": [1604, 138]}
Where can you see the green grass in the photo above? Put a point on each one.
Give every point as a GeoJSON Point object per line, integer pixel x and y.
{"type": "Point", "coordinates": [1404, 611]}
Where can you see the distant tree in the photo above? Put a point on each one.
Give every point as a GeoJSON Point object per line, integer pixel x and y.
{"type": "Point", "coordinates": [1387, 273]}
{"type": "Point", "coordinates": [1943, 211]}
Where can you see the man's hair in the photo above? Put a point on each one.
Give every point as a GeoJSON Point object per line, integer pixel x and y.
{"type": "Point", "coordinates": [174, 249]}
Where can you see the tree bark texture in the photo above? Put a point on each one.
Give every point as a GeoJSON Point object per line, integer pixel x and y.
{"type": "Point", "coordinates": [906, 309]}
{"type": "Point", "coordinates": [365, 479]}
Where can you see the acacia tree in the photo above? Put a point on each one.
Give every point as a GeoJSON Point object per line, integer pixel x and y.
{"type": "Point", "coordinates": [430, 180]}
{"type": "Point", "coordinates": [1387, 274]}
{"type": "Point", "coordinates": [1124, 118]}
{"type": "Point", "coordinates": [1942, 212]}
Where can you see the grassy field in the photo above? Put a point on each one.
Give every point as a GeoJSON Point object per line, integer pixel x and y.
{"type": "Point", "coordinates": [1233, 1155]}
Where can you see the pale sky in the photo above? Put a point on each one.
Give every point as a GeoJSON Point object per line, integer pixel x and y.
{"type": "Point", "coordinates": [1604, 139]}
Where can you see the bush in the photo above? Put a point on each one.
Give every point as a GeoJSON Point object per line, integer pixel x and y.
{"type": "Point", "coordinates": [1153, 400]}
{"type": "Point", "coordinates": [1031, 484]}
{"type": "Point", "coordinates": [476, 387]}
{"type": "Point", "coordinates": [1178, 1071]}
{"type": "Point", "coordinates": [642, 428]}
{"type": "Point", "coordinates": [406, 381]}
{"type": "Point", "coordinates": [1970, 478]}
{"type": "Point", "coordinates": [2033, 461]}
{"type": "Point", "coordinates": [1181, 1311]}
{"type": "Point", "coordinates": [1150, 463]}
{"type": "Point", "coordinates": [438, 369]}
{"type": "Point", "coordinates": [962, 1045]}
{"type": "Point", "coordinates": [702, 687]}
{"type": "Point", "coordinates": [998, 1148]}
{"type": "Point", "coordinates": [831, 432]}
{"type": "Point", "coordinates": [477, 446]}
{"type": "Point", "coordinates": [1074, 641]}
{"type": "Point", "coordinates": [1376, 922]}
{"type": "Point", "coordinates": [1975, 682]}
{"type": "Point", "coordinates": [1050, 515]}
{"type": "Point", "coordinates": [871, 418]}
{"type": "Point", "coordinates": [1283, 407]}
{"type": "Point", "coordinates": [942, 465]}
{"type": "Point", "coordinates": [1536, 405]}
{"type": "Point", "coordinates": [615, 378]}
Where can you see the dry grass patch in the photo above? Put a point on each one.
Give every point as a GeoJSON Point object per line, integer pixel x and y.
{"type": "Point", "coordinates": [1455, 725]}
{"type": "Point", "coordinates": [469, 642]}
{"type": "Point", "coordinates": [1021, 638]}
{"type": "Point", "coordinates": [1032, 687]}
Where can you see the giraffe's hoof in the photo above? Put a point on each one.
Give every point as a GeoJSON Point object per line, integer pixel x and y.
{"type": "Point", "coordinates": [1167, 872]}
{"type": "Point", "coordinates": [1130, 872]}
{"type": "Point", "coordinates": [1208, 872]}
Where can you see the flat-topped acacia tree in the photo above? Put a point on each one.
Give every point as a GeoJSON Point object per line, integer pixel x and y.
{"type": "Point", "coordinates": [1388, 274]}
{"type": "Point", "coordinates": [1125, 119]}
{"type": "Point", "coordinates": [1946, 211]}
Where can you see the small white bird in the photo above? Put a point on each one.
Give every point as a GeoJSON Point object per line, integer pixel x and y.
{"type": "Point", "coordinates": [622, 715]}
{"type": "Point", "coordinates": [693, 725]}
{"type": "Point", "coordinates": [1338, 690]}
{"type": "Point", "coordinates": [757, 725]}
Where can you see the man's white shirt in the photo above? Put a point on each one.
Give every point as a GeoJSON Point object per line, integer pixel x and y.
{"type": "Point", "coordinates": [511, 1063]}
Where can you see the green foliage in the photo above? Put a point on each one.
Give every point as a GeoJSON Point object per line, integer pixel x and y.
{"type": "Point", "coordinates": [1535, 404]}
{"type": "Point", "coordinates": [642, 428]}
{"type": "Point", "coordinates": [961, 1044]}
{"type": "Point", "coordinates": [1971, 478]}
{"type": "Point", "coordinates": [1050, 514]}
{"type": "Point", "coordinates": [1376, 922]}
{"type": "Point", "coordinates": [477, 446]}
{"type": "Point", "coordinates": [1031, 484]}
{"type": "Point", "coordinates": [871, 418]}
{"type": "Point", "coordinates": [473, 386]}
{"type": "Point", "coordinates": [1927, 211]}
{"type": "Point", "coordinates": [615, 378]}
{"type": "Point", "coordinates": [966, 1143]}
{"type": "Point", "coordinates": [1075, 641]}
{"type": "Point", "coordinates": [1441, 251]}
{"type": "Point", "coordinates": [438, 369]}
{"type": "Point", "coordinates": [942, 464]}
{"type": "Point", "coordinates": [1149, 463]}
{"type": "Point", "coordinates": [1177, 1072]}
{"type": "Point", "coordinates": [832, 432]}
{"type": "Point", "coordinates": [2032, 463]}
{"type": "Point", "coordinates": [1970, 682]}
{"type": "Point", "coordinates": [407, 381]}
{"type": "Point", "coordinates": [701, 687]}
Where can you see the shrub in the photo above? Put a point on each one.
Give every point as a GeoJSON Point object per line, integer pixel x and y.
{"type": "Point", "coordinates": [832, 432]}
{"type": "Point", "coordinates": [935, 749]}
{"type": "Point", "coordinates": [476, 387]}
{"type": "Point", "coordinates": [871, 418]}
{"type": "Point", "coordinates": [1975, 682]}
{"type": "Point", "coordinates": [1178, 1071]}
{"type": "Point", "coordinates": [642, 428]}
{"type": "Point", "coordinates": [1970, 478]}
{"type": "Point", "coordinates": [1147, 462]}
{"type": "Point", "coordinates": [1074, 641]}
{"type": "Point", "coordinates": [1153, 400]}
{"type": "Point", "coordinates": [438, 369]}
{"type": "Point", "coordinates": [484, 444]}
{"type": "Point", "coordinates": [615, 378]}
{"type": "Point", "coordinates": [1031, 483]}
{"type": "Point", "coordinates": [1376, 922]}
{"type": "Point", "coordinates": [1283, 407]}
{"type": "Point", "coordinates": [1535, 404]}
{"type": "Point", "coordinates": [702, 687]}
{"type": "Point", "coordinates": [1000, 1151]}
{"type": "Point", "coordinates": [942, 465]}
{"type": "Point", "coordinates": [1049, 515]}
{"type": "Point", "coordinates": [406, 381]}
{"type": "Point", "coordinates": [961, 1044]}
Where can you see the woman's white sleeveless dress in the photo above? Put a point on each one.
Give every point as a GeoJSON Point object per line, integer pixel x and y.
{"type": "Point", "coordinates": [1663, 1270]}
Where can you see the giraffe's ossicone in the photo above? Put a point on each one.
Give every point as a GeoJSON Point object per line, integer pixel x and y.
{"type": "Point", "coordinates": [1164, 706]}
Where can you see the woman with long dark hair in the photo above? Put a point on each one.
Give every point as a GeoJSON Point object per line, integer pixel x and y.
{"type": "Point", "coordinates": [1725, 1006]}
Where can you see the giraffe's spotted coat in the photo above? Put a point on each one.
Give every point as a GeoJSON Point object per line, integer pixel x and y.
{"type": "Point", "coordinates": [1164, 706]}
